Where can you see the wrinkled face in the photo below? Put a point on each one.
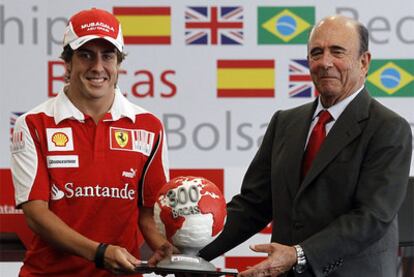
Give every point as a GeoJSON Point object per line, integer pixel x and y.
{"type": "Point", "coordinates": [93, 70]}
{"type": "Point", "coordinates": [335, 65]}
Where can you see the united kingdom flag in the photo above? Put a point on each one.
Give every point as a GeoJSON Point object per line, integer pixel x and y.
{"type": "Point", "coordinates": [214, 25]}
{"type": "Point", "coordinates": [300, 81]}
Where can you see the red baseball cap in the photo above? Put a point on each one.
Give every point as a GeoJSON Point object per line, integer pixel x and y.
{"type": "Point", "coordinates": [93, 24]}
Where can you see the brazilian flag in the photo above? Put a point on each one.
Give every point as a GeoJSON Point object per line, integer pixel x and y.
{"type": "Point", "coordinates": [284, 25]}
{"type": "Point", "coordinates": [391, 78]}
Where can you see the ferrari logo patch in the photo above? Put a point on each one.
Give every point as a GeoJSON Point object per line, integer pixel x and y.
{"type": "Point", "coordinates": [136, 140]}
{"type": "Point", "coordinates": [122, 138]}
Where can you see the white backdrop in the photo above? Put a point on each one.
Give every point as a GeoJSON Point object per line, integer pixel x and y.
{"type": "Point", "coordinates": [204, 130]}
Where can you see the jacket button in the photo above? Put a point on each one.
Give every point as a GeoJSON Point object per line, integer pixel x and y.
{"type": "Point", "coordinates": [298, 225]}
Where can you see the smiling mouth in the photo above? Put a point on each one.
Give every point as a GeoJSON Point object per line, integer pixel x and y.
{"type": "Point", "coordinates": [97, 80]}
{"type": "Point", "coordinates": [328, 78]}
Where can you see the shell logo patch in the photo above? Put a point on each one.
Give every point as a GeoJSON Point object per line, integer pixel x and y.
{"type": "Point", "coordinates": [59, 139]}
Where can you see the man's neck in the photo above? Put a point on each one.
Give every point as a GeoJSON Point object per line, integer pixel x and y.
{"type": "Point", "coordinates": [94, 107]}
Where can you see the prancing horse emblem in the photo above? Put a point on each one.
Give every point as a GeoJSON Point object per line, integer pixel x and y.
{"type": "Point", "coordinates": [121, 138]}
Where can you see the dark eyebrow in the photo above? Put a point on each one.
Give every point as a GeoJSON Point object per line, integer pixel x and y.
{"type": "Point", "coordinates": [85, 50]}
{"type": "Point", "coordinates": [315, 49]}
{"type": "Point", "coordinates": [337, 47]}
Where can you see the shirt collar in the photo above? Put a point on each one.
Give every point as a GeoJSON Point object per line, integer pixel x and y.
{"type": "Point", "coordinates": [64, 108]}
{"type": "Point", "coordinates": [337, 109]}
{"type": "Point", "coordinates": [121, 107]}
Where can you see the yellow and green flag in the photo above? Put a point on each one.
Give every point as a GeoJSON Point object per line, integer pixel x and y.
{"type": "Point", "coordinates": [284, 25]}
{"type": "Point", "coordinates": [391, 78]}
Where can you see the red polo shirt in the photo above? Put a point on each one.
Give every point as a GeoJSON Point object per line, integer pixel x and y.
{"type": "Point", "coordinates": [94, 176]}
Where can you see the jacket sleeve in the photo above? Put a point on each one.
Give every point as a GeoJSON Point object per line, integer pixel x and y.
{"type": "Point", "coordinates": [28, 165]}
{"type": "Point", "coordinates": [249, 211]}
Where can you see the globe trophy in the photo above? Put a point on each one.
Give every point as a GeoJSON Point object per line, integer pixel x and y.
{"type": "Point", "coordinates": [190, 212]}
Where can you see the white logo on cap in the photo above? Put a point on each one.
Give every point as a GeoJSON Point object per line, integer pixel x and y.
{"type": "Point", "coordinates": [97, 25]}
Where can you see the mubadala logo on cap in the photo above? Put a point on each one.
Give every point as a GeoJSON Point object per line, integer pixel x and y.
{"type": "Point", "coordinates": [100, 25]}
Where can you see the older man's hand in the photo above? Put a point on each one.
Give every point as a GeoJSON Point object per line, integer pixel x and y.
{"type": "Point", "coordinates": [281, 258]}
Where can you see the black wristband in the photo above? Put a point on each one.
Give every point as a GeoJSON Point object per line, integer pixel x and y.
{"type": "Point", "coordinates": [100, 255]}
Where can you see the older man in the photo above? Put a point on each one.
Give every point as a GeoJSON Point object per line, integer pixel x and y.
{"type": "Point", "coordinates": [331, 174]}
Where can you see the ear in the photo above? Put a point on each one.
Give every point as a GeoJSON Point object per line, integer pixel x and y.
{"type": "Point", "coordinates": [365, 62]}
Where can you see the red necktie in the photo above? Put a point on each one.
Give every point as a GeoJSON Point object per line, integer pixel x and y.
{"type": "Point", "coordinates": [315, 140]}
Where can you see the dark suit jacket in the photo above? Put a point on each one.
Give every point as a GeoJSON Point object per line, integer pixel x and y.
{"type": "Point", "coordinates": [343, 213]}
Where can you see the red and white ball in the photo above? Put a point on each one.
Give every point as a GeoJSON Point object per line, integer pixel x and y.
{"type": "Point", "coordinates": [190, 211]}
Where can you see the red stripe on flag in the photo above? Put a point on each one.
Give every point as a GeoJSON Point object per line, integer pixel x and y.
{"type": "Point", "coordinates": [204, 25]}
{"type": "Point", "coordinates": [245, 93]}
{"type": "Point", "coordinates": [13, 222]}
{"type": "Point", "coordinates": [300, 78]}
{"type": "Point", "coordinates": [147, 40]}
{"type": "Point", "coordinates": [242, 263]}
{"type": "Point", "coordinates": [142, 10]}
{"type": "Point", "coordinates": [245, 63]}
{"type": "Point", "coordinates": [267, 229]}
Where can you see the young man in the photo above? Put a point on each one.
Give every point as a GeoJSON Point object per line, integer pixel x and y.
{"type": "Point", "coordinates": [87, 164]}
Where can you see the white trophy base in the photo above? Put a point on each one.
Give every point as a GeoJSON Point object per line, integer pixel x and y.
{"type": "Point", "coordinates": [187, 262]}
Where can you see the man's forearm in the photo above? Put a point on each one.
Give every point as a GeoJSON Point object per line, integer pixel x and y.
{"type": "Point", "coordinates": [52, 229]}
{"type": "Point", "coordinates": [149, 230]}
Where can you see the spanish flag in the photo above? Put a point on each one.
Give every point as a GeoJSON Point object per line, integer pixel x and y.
{"type": "Point", "coordinates": [245, 78]}
{"type": "Point", "coordinates": [145, 25]}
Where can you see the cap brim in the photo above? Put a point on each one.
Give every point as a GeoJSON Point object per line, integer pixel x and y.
{"type": "Point", "coordinates": [82, 40]}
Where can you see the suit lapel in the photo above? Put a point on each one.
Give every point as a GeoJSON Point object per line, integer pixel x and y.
{"type": "Point", "coordinates": [345, 129]}
{"type": "Point", "coordinates": [295, 139]}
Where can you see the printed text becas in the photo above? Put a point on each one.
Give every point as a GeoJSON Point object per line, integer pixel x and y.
{"type": "Point", "coordinates": [141, 83]}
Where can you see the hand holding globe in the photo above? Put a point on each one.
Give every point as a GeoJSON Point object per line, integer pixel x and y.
{"type": "Point", "coordinates": [190, 212]}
